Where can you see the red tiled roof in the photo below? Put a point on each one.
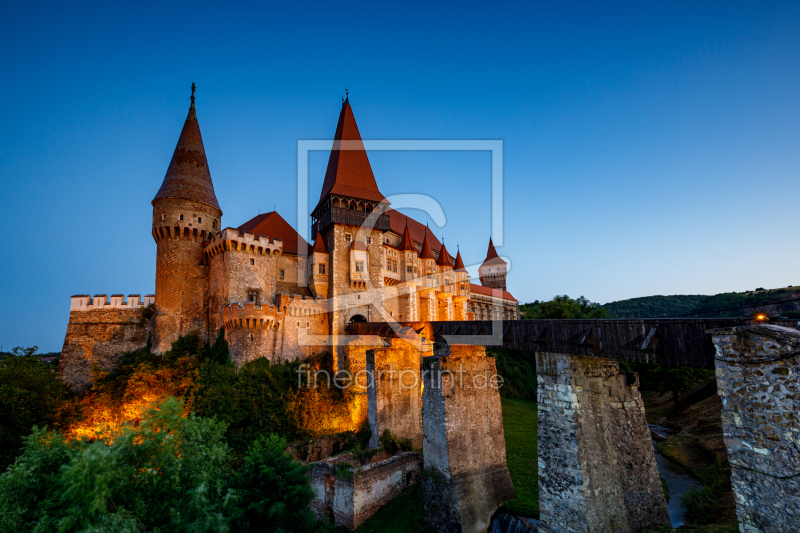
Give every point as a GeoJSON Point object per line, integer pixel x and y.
{"type": "Point", "coordinates": [188, 176]}
{"type": "Point", "coordinates": [444, 256]}
{"type": "Point", "coordinates": [408, 242]}
{"type": "Point", "coordinates": [398, 221]}
{"type": "Point", "coordinates": [358, 246]}
{"type": "Point", "coordinates": [488, 291]}
{"type": "Point", "coordinates": [319, 245]}
{"type": "Point", "coordinates": [275, 227]}
{"type": "Point", "coordinates": [349, 172]}
{"type": "Point", "coordinates": [491, 255]}
{"type": "Point", "coordinates": [426, 252]}
{"type": "Point", "coordinates": [460, 263]}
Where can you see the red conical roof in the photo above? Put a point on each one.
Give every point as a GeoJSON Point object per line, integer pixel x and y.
{"type": "Point", "coordinates": [444, 258]}
{"type": "Point", "coordinates": [459, 263]}
{"type": "Point", "coordinates": [188, 176]}
{"type": "Point", "coordinates": [319, 245]}
{"type": "Point", "coordinates": [349, 172]}
{"type": "Point", "coordinates": [491, 255]}
{"type": "Point", "coordinates": [408, 242]}
{"type": "Point", "coordinates": [426, 252]}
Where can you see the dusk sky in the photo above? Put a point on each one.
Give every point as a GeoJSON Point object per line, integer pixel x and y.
{"type": "Point", "coordinates": [648, 149]}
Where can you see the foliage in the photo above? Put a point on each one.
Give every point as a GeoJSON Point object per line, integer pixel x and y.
{"type": "Point", "coordinates": [393, 445]}
{"type": "Point", "coordinates": [654, 306]}
{"type": "Point", "coordinates": [365, 456]}
{"type": "Point", "coordinates": [702, 503]}
{"type": "Point", "coordinates": [170, 473]}
{"type": "Point", "coordinates": [30, 395]}
{"type": "Point", "coordinates": [273, 491]}
{"type": "Point", "coordinates": [663, 378]}
{"type": "Point", "coordinates": [518, 370]}
{"type": "Point", "coordinates": [562, 307]}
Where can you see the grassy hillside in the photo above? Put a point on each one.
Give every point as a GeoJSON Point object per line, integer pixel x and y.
{"type": "Point", "coordinates": [725, 304]}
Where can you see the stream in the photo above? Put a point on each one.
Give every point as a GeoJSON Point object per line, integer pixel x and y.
{"type": "Point", "coordinates": [677, 478]}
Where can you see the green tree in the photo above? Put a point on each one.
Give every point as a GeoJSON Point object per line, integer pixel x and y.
{"type": "Point", "coordinates": [30, 395]}
{"type": "Point", "coordinates": [273, 491]}
{"type": "Point", "coordinates": [562, 307]}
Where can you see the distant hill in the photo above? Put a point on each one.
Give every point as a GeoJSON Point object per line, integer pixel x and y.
{"type": "Point", "coordinates": [773, 302]}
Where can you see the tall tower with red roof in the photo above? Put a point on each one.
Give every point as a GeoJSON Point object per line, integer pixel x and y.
{"type": "Point", "coordinates": [185, 214]}
{"type": "Point", "coordinates": [493, 270]}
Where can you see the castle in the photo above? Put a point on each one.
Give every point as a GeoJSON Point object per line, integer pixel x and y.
{"type": "Point", "coordinates": [275, 295]}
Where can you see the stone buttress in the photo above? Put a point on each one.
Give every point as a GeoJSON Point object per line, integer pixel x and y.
{"type": "Point", "coordinates": [758, 379]}
{"type": "Point", "coordinates": [466, 478]}
{"type": "Point", "coordinates": [597, 467]}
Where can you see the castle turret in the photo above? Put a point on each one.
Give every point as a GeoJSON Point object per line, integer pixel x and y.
{"type": "Point", "coordinates": [493, 270]}
{"type": "Point", "coordinates": [427, 281]}
{"type": "Point", "coordinates": [461, 294]}
{"type": "Point", "coordinates": [319, 269]}
{"type": "Point", "coordinates": [185, 214]}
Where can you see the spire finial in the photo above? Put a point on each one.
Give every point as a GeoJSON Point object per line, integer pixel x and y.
{"type": "Point", "coordinates": [347, 95]}
{"type": "Point", "coordinates": [193, 88]}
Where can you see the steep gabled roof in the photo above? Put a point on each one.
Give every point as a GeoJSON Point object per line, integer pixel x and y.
{"type": "Point", "coordinates": [188, 176]}
{"type": "Point", "coordinates": [275, 227]}
{"type": "Point", "coordinates": [491, 256]}
{"type": "Point", "coordinates": [349, 172]}
{"type": "Point", "coordinates": [319, 245]}
{"type": "Point", "coordinates": [426, 252]}
{"type": "Point", "coordinates": [444, 258]}
{"type": "Point", "coordinates": [408, 242]}
{"type": "Point", "coordinates": [460, 263]}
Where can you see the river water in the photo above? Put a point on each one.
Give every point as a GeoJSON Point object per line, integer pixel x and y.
{"type": "Point", "coordinates": [678, 482]}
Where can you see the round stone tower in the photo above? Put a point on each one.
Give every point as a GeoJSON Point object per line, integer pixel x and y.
{"type": "Point", "coordinates": [185, 214]}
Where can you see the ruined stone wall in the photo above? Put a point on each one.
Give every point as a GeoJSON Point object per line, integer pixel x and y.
{"type": "Point", "coordinates": [179, 229]}
{"type": "Point", "coordinates": [351, 496]}
{"type": "Point", "coordinates": [98, 338]}
{"type": "Point", "coordinates": [464, 443]}
{"type": "Point", "coordinates": [758, 379]}
{"type": "Point", "coordinates": [597, 468]}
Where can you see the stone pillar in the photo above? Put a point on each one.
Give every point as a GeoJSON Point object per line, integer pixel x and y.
{"type": "Point", "coordinates": [758, 379]}
{"type": "Point", "coordinates": [597, 466]}
{"type": "Point", "coordinates": [464, 447]}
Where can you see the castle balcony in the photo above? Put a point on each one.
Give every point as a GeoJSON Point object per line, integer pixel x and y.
{"type": "Point", "coordinates": [350, 217]}
{"type": "Point", "coordinates": [231, 239]}
{"type": "Point", "coordinates": [251, 316]}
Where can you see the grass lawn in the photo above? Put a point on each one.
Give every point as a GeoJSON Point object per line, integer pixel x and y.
{"type": "Point", "coordinates": [404, 513]}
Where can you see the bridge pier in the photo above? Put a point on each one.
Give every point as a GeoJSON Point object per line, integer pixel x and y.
{"type": "Point", "coordinates": [758, 379]}
{"type": "Point", "coordinates": [597, 466]}
{"type": "Point", "coordinates": [464, 446]}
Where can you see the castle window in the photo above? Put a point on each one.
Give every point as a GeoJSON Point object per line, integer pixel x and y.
{"type": "Point", "coordinates": [409, 269]}
{"type": "Point", "coordinates": [163, 217]}
{"type": "Point", "coordinates": [369, 240]}
{"type": "Point", "coordinates": [214, 224]}
{"type": "Point", "coordinates": [359, 266]}
{"type": "Point", "coordinates": [322, 268]}
{"type": "Point", "coordinates": [181, 217]}
{"type": "Point", "coordinates": [347, 237]}
{"type": "Point", "coordinates": [281, 274]}
{"type": "Point", "coordinates": [252, 261]}
{"type": "Point", "coordinates": [252, 296]}
{"type": "Point", "coordinates": [199, 220]}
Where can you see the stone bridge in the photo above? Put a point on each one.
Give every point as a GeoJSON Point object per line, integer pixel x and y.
{"type": "Point", "coordinates": [597, 469]}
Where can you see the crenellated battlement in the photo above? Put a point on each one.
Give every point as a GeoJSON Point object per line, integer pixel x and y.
{"type": "Point", "coordinates": [84, 302]}
{"type": "Point", "coordinates": [231, 239]}
{"type": "Point", "coordinates": [251, 316]}
{"type": "Point", "coordinates": [296, 305]}
{"type": "Point", "coordinates": [180, 233]}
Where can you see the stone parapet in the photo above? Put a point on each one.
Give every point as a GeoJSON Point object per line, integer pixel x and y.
{"type": "Point", "coordinates": [231, 239]}
{"type": "Point", "coordinates": [84, 302]}
{"type": "Point", "coordinates": [597, 466]}
{"type": "Point", "coordinates": [758, 379]}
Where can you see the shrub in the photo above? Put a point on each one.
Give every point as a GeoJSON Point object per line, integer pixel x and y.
{"type": "Point", "coordinates": [702, 503]}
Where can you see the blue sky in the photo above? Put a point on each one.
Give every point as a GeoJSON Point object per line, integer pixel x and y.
{"type": "Point", "coordinates": [648, 149]}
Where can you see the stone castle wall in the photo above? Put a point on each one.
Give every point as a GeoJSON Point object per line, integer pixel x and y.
{"type": "Point", "coordinates": [98, 333]}
{"type": "Point", "coordinates": [758, 379]}
{"type": "Point", "coordinates": [597, 468]}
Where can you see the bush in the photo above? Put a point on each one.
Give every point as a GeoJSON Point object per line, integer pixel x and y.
{"type": "Point", "coordinates": [702, 504]}
{"type": "Point", "coordinates": [273, 491]}
{"type": "Point", "coordinates": [393, 445]}
{"type": "Point", "coordinates": [518, 370]}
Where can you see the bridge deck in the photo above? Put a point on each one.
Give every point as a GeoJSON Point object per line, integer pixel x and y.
{"type": "Point", "coordinates": [671, 341]}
